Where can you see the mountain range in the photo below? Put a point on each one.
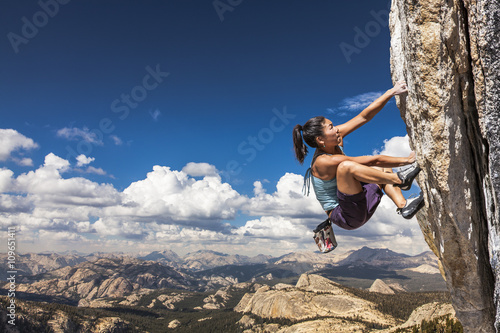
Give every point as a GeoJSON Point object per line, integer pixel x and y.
{"type": "Point", "coordinates": [76, 276]}
{"type": "Point", "coordinates": [205, 281]}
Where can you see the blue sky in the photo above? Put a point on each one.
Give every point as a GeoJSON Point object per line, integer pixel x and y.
{"type": "Point", "coordinates": [207, 91]}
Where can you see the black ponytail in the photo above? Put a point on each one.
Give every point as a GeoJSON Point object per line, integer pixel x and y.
{"type": "Point", "coordinates": [312, 129]}
{"type": "Point", "coordinates": [298, 144]}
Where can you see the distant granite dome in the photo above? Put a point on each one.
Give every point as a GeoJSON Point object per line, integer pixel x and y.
{"type": "Point", "coordinates": [381, 287]}
{"type": "Point", "coordinates": [448, 53]}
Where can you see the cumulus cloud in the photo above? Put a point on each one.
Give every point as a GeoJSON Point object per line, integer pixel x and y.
{"type": "Point", "coordinates": [83, 160]}
{"type": "Point", "coordinates": [173, 195]}
{"type": "Point", "coordinates": [199, 169]}
{"type": "Point", "coordinates": [49, 188]}
{"type": "Point", "coordinates": [396, 146]}
{"type": "Point", "coordinates": [5, 180]}
{"type": "Point", "coordinates": [287, 201]}
{"type": "Point", "coordinates": [54, 162]}
{"type": "Point", "coordinates": [119, 227]}
{"type": "Point", "coordinates": [25, 161]}
{"type": "Point", "coordinates": [60, 236]}
{"type": "Point", "coordinates": [12, 141]}
{"type": "Point", "coordinates": [14, 204]}
{"type": "Point", "coordinates": [176, 209]}
{"type": "Point", "coordinates": [274, 227]}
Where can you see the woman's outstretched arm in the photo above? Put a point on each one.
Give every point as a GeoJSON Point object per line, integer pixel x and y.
{"type": "Point", "coordinates": [367, 114]}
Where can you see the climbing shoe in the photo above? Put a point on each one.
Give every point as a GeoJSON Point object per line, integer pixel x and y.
{"type": "Point", "coordinates": [413, 205]}
{"type": "Point", "coordinates": [407, 176]}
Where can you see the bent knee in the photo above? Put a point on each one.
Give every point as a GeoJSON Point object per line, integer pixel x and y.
{"type": "Point", "coordinates": [346, 167]}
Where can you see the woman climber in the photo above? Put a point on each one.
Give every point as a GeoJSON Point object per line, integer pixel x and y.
{"type": "Point", "coordinates": [350, 188]}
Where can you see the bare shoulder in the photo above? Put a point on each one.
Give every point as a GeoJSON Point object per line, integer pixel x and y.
{"type": "Point", "coordinates": [330, 160]}
{"type": "Point", "coordinates": [325, 166]}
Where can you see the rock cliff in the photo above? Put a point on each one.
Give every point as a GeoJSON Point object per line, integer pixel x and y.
{"type": "Point", "coordinates": [105, 277]}
{"type": "Point", "coordinates": [313, 296]}
{"type": "Point", "coordinates": [447, 51]}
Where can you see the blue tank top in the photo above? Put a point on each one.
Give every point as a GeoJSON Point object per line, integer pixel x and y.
{"type": "Point", "coordinates": [325, 190]}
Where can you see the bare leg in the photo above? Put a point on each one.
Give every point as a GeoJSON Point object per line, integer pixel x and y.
{"type": "Point", "coordinates": [350, 174]}
{"type": "Point", "coordinates": [394, 192]}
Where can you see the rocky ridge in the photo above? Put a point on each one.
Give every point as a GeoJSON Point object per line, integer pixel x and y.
{"type": "Point", "coordinates": [113, 280]}
{"type": "Point", "coordinates": [316, 302]}
{"type": "Point", "coordinates": [37, 263]}
{"type": "Point", "coordinates": [425, 312]}
{"type": "Point", "coordinates": [312, 297]}
{"type": "Point", "coordinates": [322, 305]}
{"type": "Point", "coordinates": [106, 278]}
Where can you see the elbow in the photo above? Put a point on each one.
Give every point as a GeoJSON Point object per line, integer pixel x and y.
{"type": "Point", "coordinates": [377, 161]}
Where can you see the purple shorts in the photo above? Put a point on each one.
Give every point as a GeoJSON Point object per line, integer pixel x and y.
{"type": "Point", "coordinates": [355, 210]}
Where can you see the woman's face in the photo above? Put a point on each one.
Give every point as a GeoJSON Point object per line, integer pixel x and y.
{"type": "Point", "coordinates": [331, 133]}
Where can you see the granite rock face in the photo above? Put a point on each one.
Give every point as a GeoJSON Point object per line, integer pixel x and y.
{"type": "Point", "coordinates": [448, 53]}
{"type": "Point", "coordinates": [312, 297]}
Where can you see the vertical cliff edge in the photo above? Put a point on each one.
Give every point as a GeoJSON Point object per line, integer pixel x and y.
{"type": "Point", "coordinates": [448, 53]}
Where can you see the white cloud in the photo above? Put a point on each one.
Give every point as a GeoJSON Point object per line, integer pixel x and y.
{"type": "Point", "coordinates": [396, 146]}
{"type": "Point", "coordinates": [155, 114]}
{"type": "Point", "coordinates": [60, 236]}
{"type": "Point", "coordinates": [50, 189]}
{"type": "Point", "coordinates": [25, 161]}
{"type": "Point", "coordinates": [11, 141]}
{"type": "Point", "coordinates": [287, 200]}
{"type": "Point", "coordinates": [54, 162]}
{"type": "Point", "coordinates": [176, 209]}
{"type": "Point", "coordinates": [117, 141]}
{"type": "Point", "coordinates": [14, 203]}
{"type": "Point", "coordinates": [118, 227]}
{"type": "Point", "coordinates": [258, 189]}
{"type": "Point", "coordinates": [199, 169]}
{"type": "Point", "coordinates": [173, 195]}
{"type": "Point", "coordinates": [73, 133]}
{"type": "Point", "coordinates": [97, 171]}
{"type": "Point", "coordinates": [275, 227]}
{"type": "Point", "coordinates": [355, 104]}
{"type": "Point", "coordinates": [5, 180]}
{"type": "Point", "coordinates": [83, 160]}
